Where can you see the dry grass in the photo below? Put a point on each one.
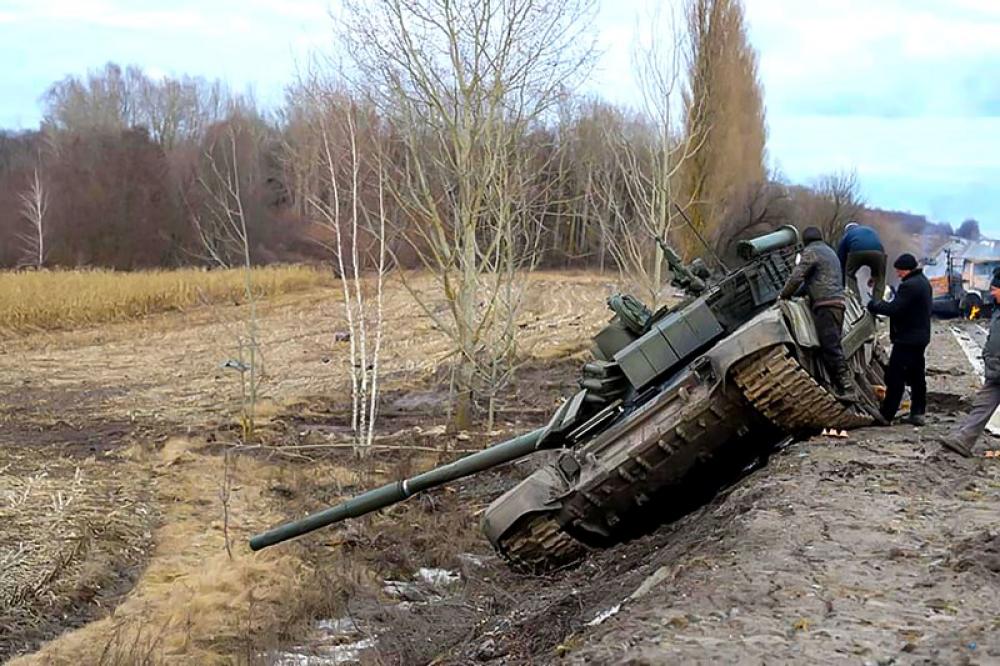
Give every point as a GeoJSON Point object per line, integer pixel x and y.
{"type": "Point", "coordinates": [68, 528]}
{"type": "Point", "coordinates": [58, 300]}
{"type": "Point", "coordinates": [193, 604]}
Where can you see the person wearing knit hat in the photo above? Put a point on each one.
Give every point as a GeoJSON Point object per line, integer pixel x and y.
{"type": "Point", "coordinates": [910, 332]}
{"type": "Point", "coordinates": [963, 439]}
{"type": "Point", "coordinates": [818, 274]}
{"type": "Point", "coordinates": [860, 246]}
{"type": "Point", "coordinates": [905, 262]}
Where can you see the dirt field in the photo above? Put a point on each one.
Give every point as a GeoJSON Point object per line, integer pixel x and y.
{"type": "Point", "coordinates": [113, 529]}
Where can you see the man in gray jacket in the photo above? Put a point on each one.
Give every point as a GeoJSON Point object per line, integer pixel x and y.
{"type": "Point", "coordinates": [963, 439]}
{"type": "Point", "coordinates": [818, 273]}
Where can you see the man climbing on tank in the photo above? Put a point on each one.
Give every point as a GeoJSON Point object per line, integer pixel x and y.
{"type": "Point", "coordinates": [861, 246]}
{"type": "Point", "coordinates": [817, 273]}
{"type": "Point", "coordinates": [910, 332]}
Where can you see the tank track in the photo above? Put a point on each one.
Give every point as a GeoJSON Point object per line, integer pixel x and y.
{"type": "Point", "coordinates": [539, 543]}
{"type": "Point", "coordinates": [781, 389]}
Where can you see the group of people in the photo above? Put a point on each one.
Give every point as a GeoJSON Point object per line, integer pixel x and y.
{"type": "Point", "coordinates": [823, 275]}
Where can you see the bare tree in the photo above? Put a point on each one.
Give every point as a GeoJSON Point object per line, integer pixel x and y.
{"type": "Point", "coordinates": [102, 102]}
{"type": "Point", "coordinates": [224, 187]}
{"type": "Point", "coordinates": [650, 163]}
{"type": "Point", "coordinates": [462, 82]}
{"type": "Point", "coordinates": [341, 209]}
{"type": "Point", "coordinates": [34, 206]}
{"type": "Point", "coordinates": [226, 177]}
{"type": "Point", "coordinates": [759, 208]}
{"type": "Point", "coordinates": [838, 202]}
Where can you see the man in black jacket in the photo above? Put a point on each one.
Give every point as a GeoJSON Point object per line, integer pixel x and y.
{"type": "Point", "coordinates": [818, 273]}
{"type": "Point", "coordinates": [910, 332]}
{"type": "Point", "coordinates": [963, 439]}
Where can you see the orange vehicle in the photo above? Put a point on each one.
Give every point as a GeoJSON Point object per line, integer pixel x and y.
{"type": "Point", "coordinates": [962, 292]}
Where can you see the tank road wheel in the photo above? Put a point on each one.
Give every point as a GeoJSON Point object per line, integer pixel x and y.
{"type": "Point", "coordinates": [784, 392]}
{"type": "Point", "coordinates": [538, 543]}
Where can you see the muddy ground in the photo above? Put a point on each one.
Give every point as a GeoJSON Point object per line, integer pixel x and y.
{"type": "Point", "coordinates": [879, 548]}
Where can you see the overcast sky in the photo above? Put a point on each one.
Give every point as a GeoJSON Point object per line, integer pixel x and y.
{"type": "Point", "coordinates": [907, 92]}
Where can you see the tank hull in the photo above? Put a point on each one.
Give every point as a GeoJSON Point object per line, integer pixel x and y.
{"type": "Point", "coordinates": [726, 410]}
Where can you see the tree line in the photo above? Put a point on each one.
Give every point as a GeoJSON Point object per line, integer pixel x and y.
{"type": "Point", "coordinates": [129, 171]}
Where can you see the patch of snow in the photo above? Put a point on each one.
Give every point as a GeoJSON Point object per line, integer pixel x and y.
{"type": "Point", "coordinates": [604, 615]}
{"type": "Point", "coordinates": [343, 625]}
{"type": "Point", "coordinates": [327, 655]}
{"type": "Point", "coordinates": [438, 577]}
{"type": "Point", "coordinates": [407, 591]}
{"type": "Point", "coordinates": [336, 641]}
{"type": "Point", "coordinates": [473, 559]}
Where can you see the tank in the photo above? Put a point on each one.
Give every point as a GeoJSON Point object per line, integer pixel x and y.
{"type": "Point", "coordinates": [674, 405]}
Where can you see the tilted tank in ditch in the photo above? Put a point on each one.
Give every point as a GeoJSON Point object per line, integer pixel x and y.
{"type": "Point", "coordinates": [674, 405]}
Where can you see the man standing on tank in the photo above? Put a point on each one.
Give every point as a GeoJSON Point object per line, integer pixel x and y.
{"type": "Point", "coordinates": [818, 273]}
{"type": "Point", "coordinates": [910, 332]}
{"type": "Point", "coordinates": [861, 246]}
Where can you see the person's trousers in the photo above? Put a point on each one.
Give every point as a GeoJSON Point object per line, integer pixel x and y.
{"type": "Point", "coordinates": [830, 328]}
{"type": "Point", "coordinates": [906, 367]}
{"type": "Point", "coordinates": [875, 261]}
{"type": "Point", "coordinates": [984, 404]}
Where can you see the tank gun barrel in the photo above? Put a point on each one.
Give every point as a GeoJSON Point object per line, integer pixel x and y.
{"type": "Point", "coordinates": [754, 247]}
{"type": "Point", "coordinates": [397, 491]}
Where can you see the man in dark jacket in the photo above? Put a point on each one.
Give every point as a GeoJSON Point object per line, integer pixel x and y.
{"type": "Point", "coordinates": [818, 273]}
{"type": "Point", "coordinates": [861, 246]}
{"type": "Point", "coordinates": [910, 332]}
{"type": "Point", "coordinates": [963, 439]}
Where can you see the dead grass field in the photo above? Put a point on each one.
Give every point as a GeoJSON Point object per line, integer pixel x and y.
{"type": "Point", "coordinates": [60, 300]}
{"type": "Point", "coordinates": [123, 425]}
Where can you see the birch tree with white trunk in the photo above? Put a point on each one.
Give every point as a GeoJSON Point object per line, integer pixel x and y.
{"type": "Point", "coordinates": [34, 207]}
{"type": "Point", "coordinates": [357, 233]}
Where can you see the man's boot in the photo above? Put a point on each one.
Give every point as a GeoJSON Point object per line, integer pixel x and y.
{"type": "Point", "coordinates": [843, 387]}
{"type": "Point", "coordinates": [957, 445]}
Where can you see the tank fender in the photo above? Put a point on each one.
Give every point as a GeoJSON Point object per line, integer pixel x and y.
{"type": "Point", "coordinates": [540, 492]}
{"type": "Point", "coordinates": [765, 330]}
